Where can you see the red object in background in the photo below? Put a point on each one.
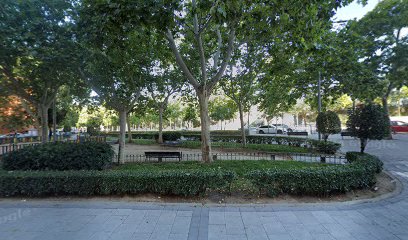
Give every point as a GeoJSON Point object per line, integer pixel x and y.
{"type": "Point", "coordinates": [399, 126]}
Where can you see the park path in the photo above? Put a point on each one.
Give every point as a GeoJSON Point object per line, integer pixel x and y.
{"type": "Point", "coordinates": [87, 219]}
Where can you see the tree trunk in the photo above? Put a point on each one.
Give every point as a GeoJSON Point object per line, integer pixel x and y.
{"type": "Point", "coordinates": [54, 122]}
{"type": "Point", "coordinates": [129, 128]}
{"type": "Point", "coordinates": [363, 144]}
{"type": "Point", "coordinates": [203, 98]}
{"type": "Point", "coordinates": [386, 109]}
{"type": "Point", "coordinates": [122, 136]}
{"type": "Point", "coordinates": [384, 100]}
{"type": "Point", "coordinates": [160, 140]}
{"type": "Point", "coordinates": [241, 119]}
{"type": "Point", "coordinates": [44, 123]}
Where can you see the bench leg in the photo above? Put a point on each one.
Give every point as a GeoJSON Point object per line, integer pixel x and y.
{"type": "Point", "coordinates": [160, 159]}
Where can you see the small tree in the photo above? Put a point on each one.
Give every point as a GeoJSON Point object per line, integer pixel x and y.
{"type": "Point", "coordinates": [328, 123]}
{"type": "Point", "coordinates": [368, 122]}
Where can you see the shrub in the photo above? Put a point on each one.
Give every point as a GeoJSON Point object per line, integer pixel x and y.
{"type": "Point", "coordinates": [327, 147]}
{"type": "Point", "coordinates": [360, 173]}
{"type": "Point", "coordinates": [368, 122]}
{"type": "Point", "coordinates": [328, 123]}
{"type": "Point", "coordinates": [169, 136]}
{"type": "Point", "coordinates": [87, 183]}
{"type": "Point", "coordinates": [60, 156]}
{"type": "Point", "coordinates": [368, 161]}
{"type": "Point", "coordinates": [67, 128]}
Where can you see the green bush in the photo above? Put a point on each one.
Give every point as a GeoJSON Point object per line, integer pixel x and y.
{"type": "Point", "coordinates": [169, 136]}
{"type": "Point", "coordinates": [367, 160]}
{"type": "Point", "coordinates": [60, 156]}
{"type": "Point", "coordinates": [328, 147]}
{"type": "Point", "coordinates": [360, 173]}
{"type": "Point", "coordinates": [368, 122]}
{"type": "Point", "coordinates": [88, 183]}
{"type": "Point", "coordinates": [328, 123]}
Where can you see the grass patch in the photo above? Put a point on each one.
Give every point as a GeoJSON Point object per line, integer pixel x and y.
{"type": "Point", "coordinates": [259, 147]}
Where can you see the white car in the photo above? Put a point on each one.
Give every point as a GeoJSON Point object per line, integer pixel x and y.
{"type": "Point", "coordinates": [282, 128]}
{"type": "Point", "coordinates": [266, 129]}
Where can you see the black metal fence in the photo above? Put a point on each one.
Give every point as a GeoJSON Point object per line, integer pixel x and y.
{"type": "Point", "coordinates": [250, 156]}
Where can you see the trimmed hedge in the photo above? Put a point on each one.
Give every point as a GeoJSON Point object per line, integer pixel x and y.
{"type": "Point", "coordinates": [235, 137]}
{"type": "Point", "coordinates": [60, 156]}
{"type": "Point", "coordinates": [88, 183]}
{"type": "Point", "coordinates": [327, 147]}
{"type": "Point", "coordinates": [359, 173]}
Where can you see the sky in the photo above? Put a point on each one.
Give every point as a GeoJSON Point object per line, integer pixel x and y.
{"type": "Point", "coordinates": [355, 10]}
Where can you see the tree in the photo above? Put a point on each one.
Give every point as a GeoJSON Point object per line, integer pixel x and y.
{"type": "Point", "coordinates": [190, 115]}
{"type": "Point", "coordinates": [385, 49]}
{"type": "Point", "coordinates": [165, 83]}
{"type": "Point", "coordinates": [396, 99]}
{"type": "Point", "coordinates": [201, 34]}
{"type": "Point", "coordinates": [174, 114]}
{"type": "Point", "coordinates": [241, 80]}
{"type": "Point", "coordinates": [368, 122]}
{"type": "Point", "coordinates": [115, 65]}
{"type": "Point", "coordinates": [38, 52]}
{"type": "Point", "coordinates": [222, 109]}
{"type": "Point", "coordinates": [328, 123]}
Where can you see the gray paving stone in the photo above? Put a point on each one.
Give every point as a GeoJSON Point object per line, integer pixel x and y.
{"type": "Point", "coordinates": [287, 217]}
{"type": "Point", "coordinates": [216, 218]}
{"type": "Point", "coordinates": [175, 236]}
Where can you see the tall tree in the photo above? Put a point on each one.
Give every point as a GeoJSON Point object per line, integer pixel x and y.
{"type": "Point", "coordinates": [386, 47]}
{"type": "Point", "coordinates": [115, 65]}
{"type": "Point", "coordinates": [240, 82]}
{"type": "Point", "coordinates": [38, 51]}
{"type": "Point", "coordinates": [165, 82]}
{"type": "Point", "coordinates": [201, 34]}
{"type": "Point", "coordinates": [222, 109]}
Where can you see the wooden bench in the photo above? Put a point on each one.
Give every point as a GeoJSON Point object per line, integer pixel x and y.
{"type": "Point", "coordinates": [297, 133]}
{"type": "Point", "coordinates": [161, 155]}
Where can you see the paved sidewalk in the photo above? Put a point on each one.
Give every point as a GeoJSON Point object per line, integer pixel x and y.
{"type": "Point", "coordinates": [384, 219]}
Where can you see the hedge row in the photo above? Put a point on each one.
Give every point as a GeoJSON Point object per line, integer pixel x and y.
{"type": "Point", "coordinates": [359, 173]}
{"type": "Point", "coordinates": [60, 156]}
{"type": "Point", "coordinates": [233, 136]}
{"type": "Point", "coordinates": [88, 183]}
{"type": "Point", "coordinates": [320, 146]}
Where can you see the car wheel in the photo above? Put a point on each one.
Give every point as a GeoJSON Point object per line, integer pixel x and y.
{"type": "Point", "coordinates": [280, 132]}
{"type": "Point", "coordinates": [261, 132]}
{"type": "Point", "coordinates": [290, 130]}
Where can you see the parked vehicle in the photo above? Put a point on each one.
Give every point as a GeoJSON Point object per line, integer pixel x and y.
{"type": "Point", "coordinates": [12, 135]}
{"type": "Point", "coordinates": [399, 126]}
{"type": "Point", "coordinates": [282, 128]}
{"type": "Point", "coordinates": [265, 129]}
